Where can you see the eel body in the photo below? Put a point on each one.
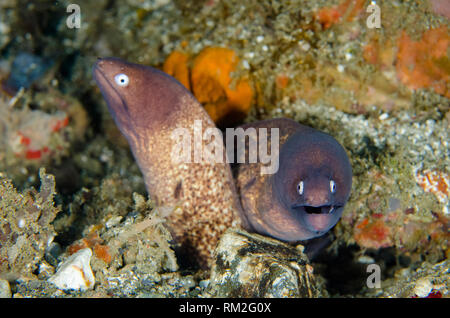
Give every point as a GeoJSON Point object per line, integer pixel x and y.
{"type": "Point", "coordinates": [302, 199]}
{"type": "Point", "coordinates": [148, 106]}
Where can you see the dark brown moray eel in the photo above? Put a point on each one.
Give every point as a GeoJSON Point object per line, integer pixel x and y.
{"type": "Point", "coordinates": [302, 200]}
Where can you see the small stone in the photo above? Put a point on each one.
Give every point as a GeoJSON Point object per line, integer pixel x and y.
{"type": "Point", "coordinates": [204, 283]}
{"type": "Point", "coordinates": [52, 252]}
{"type": "Point", "coordinates": [423, 287]}
{"type": "Point", "coordinates": [75, 273]}
{"type": "Point", "coordinates": [251, 265]}
{"type": "Point", "coordinates": [113, 221]}
{"type": "Point", "coordinates": [383, 116]}
{"type": "Point", "coordinates": [45, 271]}
{"type": "Point", "coordinates": [5, 290]}
{"type": "Point", "coordinates": [365, 259]}
{"type": "Point", "coordinates": [305, 46]}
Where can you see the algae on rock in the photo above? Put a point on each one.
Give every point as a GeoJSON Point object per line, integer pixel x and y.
{"type": "Point", "coordinates": [25, 226]}
{"type": "Point", "coordinates": [251, 265]}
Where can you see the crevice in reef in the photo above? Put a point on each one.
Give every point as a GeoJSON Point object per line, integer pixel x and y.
{"type": "Point", "coordinates": [345, 269]}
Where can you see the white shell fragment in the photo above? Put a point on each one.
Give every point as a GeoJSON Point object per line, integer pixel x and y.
{"type": "Point", "coordinates": [75, 273]}
{"type": "Point", "coordinates": [5, 291]}
{"type": "Point", "coordinates": [423, 287]}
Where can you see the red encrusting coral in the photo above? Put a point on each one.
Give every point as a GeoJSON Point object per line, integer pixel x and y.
{"type": "Point", "coordinates": [436, 182]}
{"type": "Point", "coordinates": [60, 124]}
{"type": "Point", "coordinates": [433, 294]}
{"type": "Point", "coordinates": [348, 9]}
{"type": "Point", "coordinates": [282, 80]}
{"type": "Point", "coordinates": [33, 138]}
{"type": "Point", "coordinates": [373, 234]}
{"type": "Point", "coordinates": [95, 242]}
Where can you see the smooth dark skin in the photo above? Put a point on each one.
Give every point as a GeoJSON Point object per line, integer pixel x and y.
{"type": "Point", "coordinates": [317, 159]}
{"type": "Point", "coordinates": [273, 204]}
{"type": "Point", "coordinates": [154, 103]}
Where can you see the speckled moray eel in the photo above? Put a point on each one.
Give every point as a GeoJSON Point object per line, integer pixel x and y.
{"type": "Point", "coordinates": [147, 105]}
{"type": "Point", "coordinates": [302, 200]}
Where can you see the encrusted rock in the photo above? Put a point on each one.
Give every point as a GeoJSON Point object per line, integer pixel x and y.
{"type": "Point", "coordinates": [423, 287]}
{"type": "Point", "coordinates": [75, 273]}
{"type": "Point", "coordinates": [427, 281]}
{"type": "Point", "coordinates": [251, 265]}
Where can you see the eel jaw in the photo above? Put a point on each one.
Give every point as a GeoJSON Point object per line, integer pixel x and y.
{"type": "Point", "coordinates": [318, 219]}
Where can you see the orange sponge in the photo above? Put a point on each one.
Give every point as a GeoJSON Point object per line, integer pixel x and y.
{"type": "Point", "coordinates": [425, 63]}
{"type": "Point", "coordinates": [176, 65]}
{"type": "Point", "coordinates": [225, 100]}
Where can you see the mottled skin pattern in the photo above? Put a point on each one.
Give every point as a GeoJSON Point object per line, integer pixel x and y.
{"type": "Point", "coordinates": [146, 111]}
{"type": "Point", "coordinates": [272, 203]}
{"type": "Point", "coordinates": [203, 195]}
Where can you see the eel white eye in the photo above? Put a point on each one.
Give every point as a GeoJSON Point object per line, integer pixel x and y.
{"type": "Point", "coordinates": [300, 188]}
{"type": "Point", "coordinates": [121, 80]}
{"type": "Point", "coordinates": [332, 186]}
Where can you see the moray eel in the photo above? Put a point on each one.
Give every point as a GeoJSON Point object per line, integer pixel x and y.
{"type": "Point", "coordinates": [305, 198]}
{"type": "Point", "coordinates": [302, 200]}
{"type": "Point", "coordinates": [147, 106]}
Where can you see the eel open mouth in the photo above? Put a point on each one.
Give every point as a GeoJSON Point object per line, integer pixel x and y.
{"type": "Point", "coordinates": [323, 209]}
{"type": "Point", "coordinates": [318, 219]}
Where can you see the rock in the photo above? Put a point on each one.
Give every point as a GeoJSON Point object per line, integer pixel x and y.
{"type": "Point", "coordinates": [251, 265]}
{"type": "Point", "coordinates": [423, 287]}
{"type": "Point", "coordinates": [75, 273]}
{"type": "Point", "coordinates": [427, 281]}
{"type": "Point", "coordinates": [5, 290]}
